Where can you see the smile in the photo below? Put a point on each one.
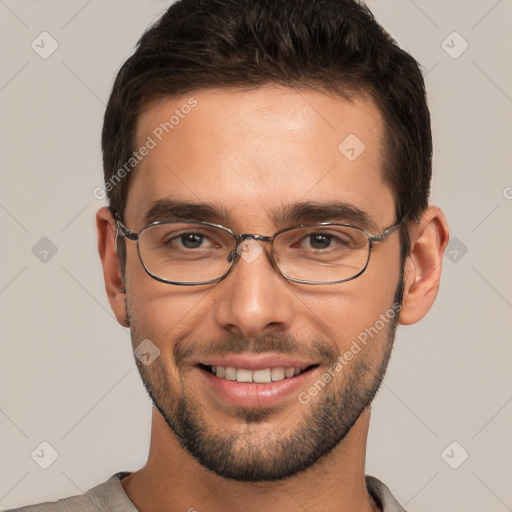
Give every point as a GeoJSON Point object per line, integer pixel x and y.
{"type": "Point", "coordinates": [260, 376]}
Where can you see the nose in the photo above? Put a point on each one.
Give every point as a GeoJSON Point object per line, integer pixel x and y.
{"type": "Point", "coordinates": [254, 299]}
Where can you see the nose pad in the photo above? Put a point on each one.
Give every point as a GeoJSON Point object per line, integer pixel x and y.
{"type": "Point", "coordinates": [242, 247]}
{"type": "Point", "coordinates": [232, 255]}
{"type": "Point", "coordinates": [249, 249]}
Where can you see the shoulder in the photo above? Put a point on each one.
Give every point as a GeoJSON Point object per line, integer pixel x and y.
{"type": "Point", "coordinates": [382, 495]}
{"type": "Point", "coordinates": [108, 496]}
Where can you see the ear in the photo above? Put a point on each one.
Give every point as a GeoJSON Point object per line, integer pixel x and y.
{"type": "Point", "coordinates": [423, 265]}
{"type": "Point", "coordinates": [106, 226]}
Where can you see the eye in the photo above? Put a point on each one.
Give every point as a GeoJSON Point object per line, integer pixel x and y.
{"type": "Point", "coordinates": [185, 240]}
{"type": "Point", "coordinates": [319, 241]}
{"type": "Point", "coordinates": [322, 241]}
{"type": "Point", "coordinates": [191, 240]}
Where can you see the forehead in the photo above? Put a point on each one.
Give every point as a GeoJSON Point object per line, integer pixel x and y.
{"type": "Point", "coordinates": [256, 151]}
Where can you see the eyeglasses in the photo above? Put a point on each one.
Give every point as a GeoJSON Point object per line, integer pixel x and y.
{"type": "Point", "coordinates": [189, 253]}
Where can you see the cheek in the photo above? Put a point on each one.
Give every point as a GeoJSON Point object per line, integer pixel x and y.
{"type": "Point", "coordinates": [357, 306]}
{"type": "Point", "coordinates": [164, 313]}
{"type": "Point", "coordinates": [344, 318]}
{"type": "Point", "coordinates": [361, 333]}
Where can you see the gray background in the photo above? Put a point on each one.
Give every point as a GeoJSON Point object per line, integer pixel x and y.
{"type": "Point", "coordinates": [67, 372]}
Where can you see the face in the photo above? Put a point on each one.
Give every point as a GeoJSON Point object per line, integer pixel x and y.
{"type": "Point", "coordinates": [262, 161]}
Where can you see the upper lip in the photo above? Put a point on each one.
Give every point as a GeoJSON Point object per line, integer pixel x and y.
{"type": "Point", "coordinates": [255, 361]}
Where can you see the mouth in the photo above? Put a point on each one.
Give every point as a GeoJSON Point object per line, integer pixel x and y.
{"type": "Point", "coordinates": [255, 382]}
{"type": "Point", "coordinates": [259, 376]}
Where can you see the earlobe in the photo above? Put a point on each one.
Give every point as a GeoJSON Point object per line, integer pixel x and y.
{"type": "Point", "coordinates": [107, 249]}
{"type": "Point", "coordinates": [422, 271]}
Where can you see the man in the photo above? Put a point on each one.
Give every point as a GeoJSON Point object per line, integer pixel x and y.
{"type": "Point", "coordinates": [267, 165]}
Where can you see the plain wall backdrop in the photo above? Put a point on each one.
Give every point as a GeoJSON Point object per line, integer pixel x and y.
{"type": "Point", "coordinates": [67, 373]}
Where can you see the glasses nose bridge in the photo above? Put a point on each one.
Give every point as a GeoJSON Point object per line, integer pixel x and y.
{"type": "Point", "coordinates": [261, 238]}
{"type": "Point", "coordinates": [242, 237]}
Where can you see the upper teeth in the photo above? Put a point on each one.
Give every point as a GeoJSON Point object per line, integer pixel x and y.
{"type": "Point", "coordinates": [260, 376]}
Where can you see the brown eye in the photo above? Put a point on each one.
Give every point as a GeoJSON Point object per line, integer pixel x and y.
{"type": "Point", "coordinates": [320, 241]}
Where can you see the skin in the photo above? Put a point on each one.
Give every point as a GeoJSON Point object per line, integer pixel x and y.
{"type": "Point", "coordinates": [252, 152]}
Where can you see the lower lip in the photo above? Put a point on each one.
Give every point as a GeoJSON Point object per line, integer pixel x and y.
{"type": "Point", "coordinates": [253, 395]}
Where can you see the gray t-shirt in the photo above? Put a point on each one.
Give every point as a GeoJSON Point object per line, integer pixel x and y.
{"type": "Point", "coordinates": [110, 497]}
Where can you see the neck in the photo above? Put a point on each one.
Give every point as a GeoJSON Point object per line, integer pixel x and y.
{"type": "Point", "coordinates": [173, 480]}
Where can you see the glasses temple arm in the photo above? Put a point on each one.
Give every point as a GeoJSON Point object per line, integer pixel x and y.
{"type": "Point", "coordinates": [385, 234]}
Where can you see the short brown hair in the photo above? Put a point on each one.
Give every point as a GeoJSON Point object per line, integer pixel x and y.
{"type": "Point", "coordinates": [334, 46]}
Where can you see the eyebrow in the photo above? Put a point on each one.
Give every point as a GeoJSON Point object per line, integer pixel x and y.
{"type": "Point", "coordinates": [336, 211]}
{"type": "Point", "coordinates": [168, 209]}
{"type": "Point", "coordinates": [286, 215]}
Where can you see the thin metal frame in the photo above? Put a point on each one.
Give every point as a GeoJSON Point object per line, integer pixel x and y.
{"type": "Point", "coordinates": [240, 237]}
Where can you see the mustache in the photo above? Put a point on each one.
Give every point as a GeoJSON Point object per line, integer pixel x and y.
{"type": "Point", "coordinates": [284, 344]}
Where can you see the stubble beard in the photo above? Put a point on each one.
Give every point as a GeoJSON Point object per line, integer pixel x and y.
{"type": "Point", "coordinates": [256, 452]}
